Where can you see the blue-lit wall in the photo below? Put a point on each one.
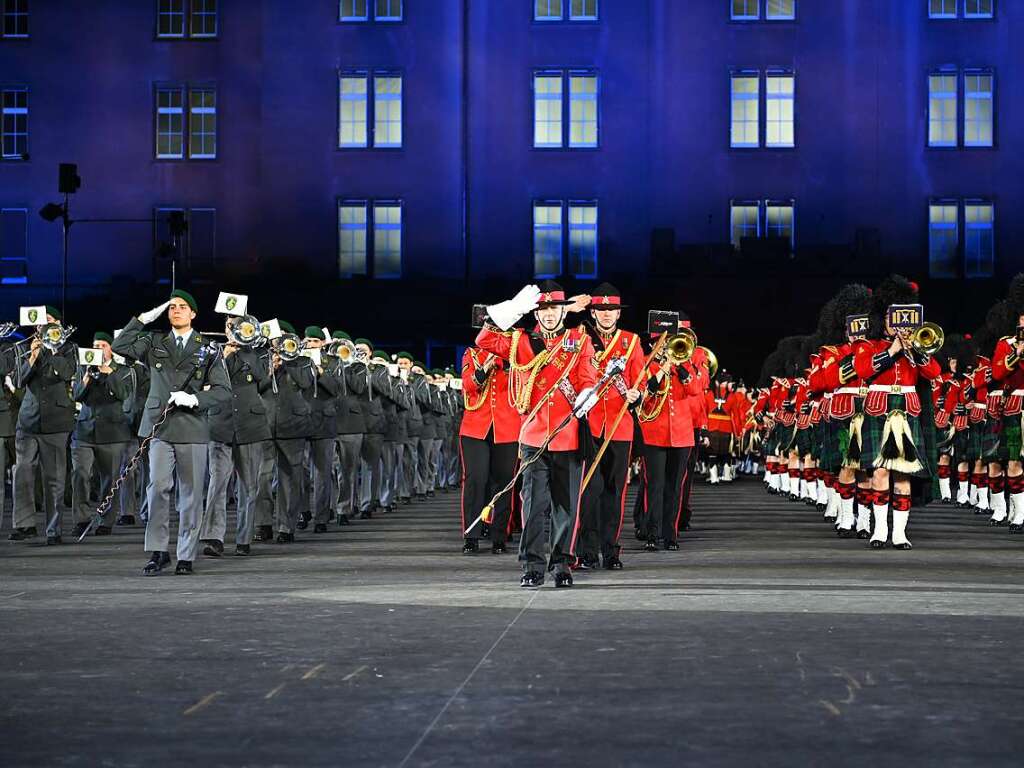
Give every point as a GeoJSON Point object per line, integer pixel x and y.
{"type": "Point", "coordinates": [663, 175]}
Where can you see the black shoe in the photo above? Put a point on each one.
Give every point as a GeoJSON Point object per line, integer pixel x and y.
{"type": "Point", "coordinates": [997, 523]}
{"type": "Point", "coordinates": [303, 522]}
{"type": "Point", "coordinates": [102, 530]}
{"type": "Point", "coordinates": [612, 563]}
{"type": "Point", "coordinates": [531, 579]}
{"type": "Point", "coordinates": [905, 546]}
{"type": "Point", "coordinates": [320, 528]}
{"type": "Point", "coordinates": [20, 534]}
{"type": "Point", "coordinates": [821, 507]}
{"type": "Point", "coordinates": [157, 562]}
{"type": "Point", "coordinates": [406, 500]}
{"type": "Point", "coordinates": [863, 534]}
{"type": "Point", "coordinates": [430, 494]}
{"type": "Point", "coordinates": [125, 520]}
{"type": "Point", "coordinates": [844, 533]}
{"type": "Point", "coordinates": [563, 580]}
{"type": "Point", "coordinates": [470, 547]}
{"type": "Point", "coordinates": [498, 548]}
{"type": "Point", "coordinates": [640, 535]}
{"type": "Point", "coordinates": [80, 528]}
{"type": "Point", "coordinates": [54, 540]}
{"type": "Point", "coordinates": [343, 520]}
{"type": "Point", "coordinates": [1016, 528]}
{"type": "Point", "coordinates": [876, 544]}
{"type": "Point", "coordinates": [671, 546]}
{"type": "Point", "coordinates": [588, 562]}
{"type": "Point", "coordinates": [183, 568]}
{"type": "Point", "coordinates": [651, 545]}
{"type": "Point", "coordinates": [285, 538]}
{"type": "Point", "coordinates": [241, 550]}
{"type": "Point", "coordinates": [213, 548]}
{"type": "Point", "coordinates": [264, 533]}
{"type": "Point", "coordinates": [366, 514]}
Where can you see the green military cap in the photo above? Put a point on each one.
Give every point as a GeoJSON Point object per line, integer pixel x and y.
{"type": "Point", "coordinates": [187, 297]}
{"type": "Point", "coordinates": [406, 356]}
{"type": "Point", "coordinates": [367, 342]}
{"type": "Point", "coordinates": [53, 312]}
{"type": "Point", "coordinates": [380, 355]}
{"type": "Point", "coordinates": [286, 326]}
{"type": "Point", "coordinates": [313, 332]}
{"type": "Point", "coordinates": [102, 336]}
{"type": "Point", "coordinates": [339, 335]}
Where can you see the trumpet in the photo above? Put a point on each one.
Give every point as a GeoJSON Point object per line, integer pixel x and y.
{"type": "Point", "coordinates": [343, 349]}
{"type": "Point", "coordinates": [926, 340]}
{"type": "Point", "coordinates": [245, 332]}
{"type": "Point", "coordinates": [289, 346]}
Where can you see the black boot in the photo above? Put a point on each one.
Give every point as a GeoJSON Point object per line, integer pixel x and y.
{"type": "Point", "coordinates": [470, 547]}
{"type": "Point", "coordinates": [157, 562]}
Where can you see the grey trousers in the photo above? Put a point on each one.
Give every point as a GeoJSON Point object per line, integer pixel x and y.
{"type": "Point", "coordinates": [48, 453]}
{"type": "Point", "coordinates": [321, 455]}
{"type": "Point", "coordinates": [424, 479]}
{"type": "Point", "coordinates": [551, 490]}
{"type": "Point", "coordinates": [371, 471]}
{"type": "Point", "coordinates": [265, 485]}
{"type": "Point", "coordinates": [132, 493]}
{"type": "Point", "coordinates": [391, 460]}
{"type": "Point", "coordinates": [105, 461]}
{"type": "Point", "coordinates": [186, 463]}
{"type": "Point", "coordinates": [349, 451]}
{"type": "Point", "coordinates": [244, 461]}
{"type": "Point", "coordinates": [4, 443]}
{"type": "Point", "coordinates": [408, 467]}
{"type": "Point", "coordinates": [290, 455]}
{"type": "Point", "coordinates": [434, 458]}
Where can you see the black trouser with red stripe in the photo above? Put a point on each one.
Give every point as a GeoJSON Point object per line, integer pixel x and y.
{"type": "Point", "coordinates": [604, 502]}
{"type": "Point", "coordinates": [665, 472]}
{"type": "Point", "coordinates": [486, 468]}
{"type": "Point", "coordinates": [691, 468]}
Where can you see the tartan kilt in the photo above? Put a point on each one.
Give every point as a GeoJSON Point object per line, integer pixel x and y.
{"type": "Point", "coordinates": [975, 440]}
{"type": "Point", "coordinates": [1010, 443]}
{"type": "Point", "coordinates": [805, 441]}
{"type": "Point", "coordinates": [835, 436]}
{"type": "Point", "coordinates": [960, 445]}
{"type": "Point", "coordinates": [871, 440]}
{"type": "Point", "coordinates": [992, 448]}
{"type": "Point", "coordinates": [719, 443]}
{"type": "Point", "coordinates": [777, 438]}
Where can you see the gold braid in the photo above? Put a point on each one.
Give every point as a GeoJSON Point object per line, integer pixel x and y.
{"type": "Point", "coordinates": [483, 392]}
{"type": "Point", "coordinates": [661, 396]}
{"type": "Point", "coordinates": [520, 394]}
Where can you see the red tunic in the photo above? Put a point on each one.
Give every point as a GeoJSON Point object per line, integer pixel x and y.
{"type": "Point", "coordinates": [495, 409]}
{"type": "Point", "coordinates": [898, 379]}
{"type": "Point", "coordinates": [603, 415]}
{"type": "Point", "coordinates": [573, 351]}
{"type": "Point", "coordinates": [673, 428]}
{"type": "Point", "coordinates": [1008, 372]}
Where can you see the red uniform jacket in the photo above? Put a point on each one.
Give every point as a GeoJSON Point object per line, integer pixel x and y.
{"type": "Point", "coordinates": [622, 344]}
{"type": "Point", "coordinates": [697, 368]}
{"type": "Point", "coordinates": [570, 350]}
{"type": "Point", "coordinates": [673, 428]}
{"type": "Point", "coordinates": [495, 408]}
{"type": "Point", "coordinates": [1007, 370]}
{"type": "Point", "coordinates": [901, 373]}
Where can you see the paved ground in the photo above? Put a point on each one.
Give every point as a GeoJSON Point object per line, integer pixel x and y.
{"type": "Point", "coordinates": [764, 641]}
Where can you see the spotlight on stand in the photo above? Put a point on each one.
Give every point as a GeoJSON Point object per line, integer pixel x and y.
{"type": "Point", "coordinates": [68, 182]}
{"type": "Point", "coordinates": [52, 211]}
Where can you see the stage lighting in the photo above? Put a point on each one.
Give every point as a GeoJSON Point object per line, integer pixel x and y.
{"type": "Point", "coordinates": [52, 211]}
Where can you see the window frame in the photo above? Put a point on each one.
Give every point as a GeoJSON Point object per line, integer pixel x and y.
{"type": "Point", "coordinates": [746, 18]}
{"type": "Point", "coordinates": [942, 16]}
{"type": "Point", "coordinates": [215, 111]}
{"type": "Point", "coordinates": [188, 12]}
{"type": "Point", "coordinates": [777, 72]}
{"type": "Point", "coordinates": [978, 72]}
{"type": "Point", "coordinates": [343, 19]}
{"type": "Point", "coordinates": [365, 204]}
{"type": "Point", "coordinates": [958, 257]}
{"type": "Point", "coordinates": [968, 227]}
{"type": "Point", "coordinates": [372, 93]}
{"type": "Point", "coordinates": [547, 203]}
{"type": "Point", "coordinates": [15, 14]}
{"type": "Point", "coordinates": [389, 19]}
{"type": "Point", "coordinates": [548, 73]}
{"type": "Point", "coordinates": [744, 203]}
{"type": "Point", "coordinates": [182, 111]}
{"type": "Point", "coordinates": [774, 202]}
{"type": "Point", "coordinates": [381, 202]}
{"type": "Point", "coordinates": [7, 209]}
{"type": "Point", "coordinates": [353, 74]}
{"type": "Point", "coordinates": [567, 107]}
{"type": "Point", "coordinates": [956, 75]}
{"type": "Point", "coordinates": [779, 19]}
{"type": "Point", "coordinates": [968, 16]}
{"type": "Point", "coordinates": [370, 76]}
{"type": "Point", "coordinates": [370, 226]}
{"type": "Point", "coordinates": [549, 19]}
{"type": "Point", "coordinates": [596, 227]}
{"type": "Point", "coordinates": [755, 74]}
{"type": "Point", "coordinates": [584, 19]}
{"type": "Point", "coordinates": [192, 14]}
{"type": "Point", "coordinates": [22, 157]}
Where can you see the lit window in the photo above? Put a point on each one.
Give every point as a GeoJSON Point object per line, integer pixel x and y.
{"type": "Point", "coordinates": [203, 18]}
{"type": "Point", "coordinates": [354, 10]}
{"type": "Point", "coordinates": [352, 237]}
{"type": "Point", "coordinates": [582, 110]}
{"type": "Point", "coordinates": [942, 239]}
{"type": "Point", "coordinates": [583, 10]}
{"type": "Point", "coordinates": [547, 10]}
{"type": "Point", "coordinates": [942, 9]}
{"type": "Point", "coordinates": [745, 104]}
{"type": "Point", "coordinates": [547, 109]}
{"type": "Point", "coordinates": [352, 108]}
{"type": "Point", "coordinates": [14, 123]}
{"type": "Point", "coordinates": [170, 18]}
{"type": "Point", "coordinates": [202, 124]}
{"type": "Point", "coordinates": [583, 238]}
{"type": "Point", "coordinates": [388, 10]}
{"type": "Point", "coordinates": [779, 110]}
{"type": "Point", "coordinates": [942, 109]}
{"type": "Point", "coordinates": [387, 111]}
{"type": "Point", "coordinates": [779, 221]}
{"type": "Point", "coordinates": [387, 239]}
{"type": "Point", "coordinates": [745, 10]}
{"type": "Point", "coordinates": [978, 9]}
{"type": "Point", "coordinates": [547, 239]}
{"type": "Point", "coordinates": [977, 109]}
{"type": "Point", "coordinates": [13, 246]}
{"type": "Point", "coordinates": [780, 10]}
{"type": "Point", "coordinates": [170, 123]}
{"type": "Point", "coordinates": [744, 221]}
{"type": "Point", "coordinates": [15, 23]}
{"type": "Point", "coordinates": [979, 238]}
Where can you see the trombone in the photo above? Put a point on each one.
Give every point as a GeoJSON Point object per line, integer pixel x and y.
{"type": "Point", "coordinates": [925, 341]}
{"type": "Point", "coordinates": [343, 349]}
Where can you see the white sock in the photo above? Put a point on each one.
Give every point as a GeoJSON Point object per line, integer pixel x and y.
{"type": "Point", "coordinates": [773, 480]}
{"type": "Point", "coordinates": [713, 474]}
{"type": "Point", "coordinates": [944, 490]}
{"type": "Point", "coordinates": [972, 495]}
{"type": "Point", "coordinates": [998, 505]}
{"type": "Point", "coordinates": [961, 494]}
{"type": "Point", "coordinates": [982, 499]}
{"type": "Point", "coordinates": [1016, 508]}
{"type": "Point", "coordinates": [846, 517]}
{"type": "Point", "coordinates": [824, 492]}
{"type": "Point", "coordinates": [881, 513]}
{"type": "Point", "coordinates": [863, 518]}
{"type": "Point", "coordinates": [784, 481]}
{"type": "Point", "coordinates": [899, 527]}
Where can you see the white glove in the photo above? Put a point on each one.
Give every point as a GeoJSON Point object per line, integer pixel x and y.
{"type": "Point", "coordinates": [507, 313]}
{"type": "Point", "coordinates": [148, 317]}
{"type": "Point", "coordinates": [183, 400]}
{"type": "Point", "coordinates": [585, 401]}
{"type": "Point", "coordinates": [393, 370]}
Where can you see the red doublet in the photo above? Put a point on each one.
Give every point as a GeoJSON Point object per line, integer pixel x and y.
{"type": "Point", "coordinates": [902, 373]}
{"type": "Point", "coordinates": [1007, 370]}
{"type": "Point", "coordinates": [570, 351]}
{"type": "Point", "coordinates": [673, 427]}
{"type": "Point", "coordinates": [495, 409]}
{"type": "Point", "coordinates": [621, 344]}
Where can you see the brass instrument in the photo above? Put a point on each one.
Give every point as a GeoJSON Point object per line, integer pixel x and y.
{"type": "Point", "coordinates": [245, 331]}
{"type": "Point", "coordinates": [7, 329]}
{"type": "Point", "coordinates": [343, 349]}
{"type": "Point", "coordinates": [680, 347]}
{"type": "Point", "coordinates": [712, 362]}
{"type": "Point", "coordinates": [289, 346]}
{"type": "Point", "coordinates": [926, 340]}
{"type": "Point", "coordinates": [54, 335]}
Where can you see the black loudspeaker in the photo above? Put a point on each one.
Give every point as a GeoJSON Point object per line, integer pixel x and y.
{"type": "Point", "coordinates": [176, 224]}
{"type": "Point", "coordinates": [68, 180]}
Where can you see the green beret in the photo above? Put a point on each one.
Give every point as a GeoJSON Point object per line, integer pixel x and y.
{"type": "Point", "coordinates": [53, 312]}
{"type": "Point", "coordinates": [380, 355]}
{"type": "Point", "coordinates": [187, 297]}
{"type": "Point", "coordinates": [406, 356]}
{"type": "Point", "coordinates": [437, 372]}
{"type": "Point", "coordinates": [312, 332]}
{"type": "Point", "coordinates": [418, 364]}
{"type": "Point", "coordinates": [341, 335]}
{"type": "Point", "coordinates": [286, 326]}
{"type": "Point", "coordinates": [103, 336]}
{"type": "Point", "coordinates": [367, 342]}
